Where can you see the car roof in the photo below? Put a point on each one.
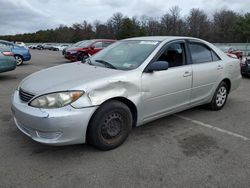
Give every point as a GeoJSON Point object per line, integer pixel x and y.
{"type": "Point", "coordinates": [95, 40]}
{"type": "Point", "coordinates": [162, 38]}
{"type": "Point", "coordinates": [5, 41]}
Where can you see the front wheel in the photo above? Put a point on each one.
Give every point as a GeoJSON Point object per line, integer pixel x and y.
{"type": "Point", "coordinates": [110, 125]}
{"type": "Point", "coordinates": [220, 97]}
{"type": "Point", "coordinates": [19, 60]}
{"type": "Point", "coordinates": [82, 56]}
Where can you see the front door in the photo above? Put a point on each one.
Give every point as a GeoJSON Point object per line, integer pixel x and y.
{"type": "Point", "coordinates": [168, 90]}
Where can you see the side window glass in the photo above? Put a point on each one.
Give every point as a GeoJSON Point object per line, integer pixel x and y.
{"type": "Point", "coordinates": [200, 54]}
{"type": "Point", "coordinates": [98, 45]}
{"type": "Point", "coordinates": [174, 54]}
{"type": "Point", "coordinates": [106, 44]}
{"type": "Point", "coordinates": [3, 45]}
{"type": "Point", "coordinates": [215, 56]}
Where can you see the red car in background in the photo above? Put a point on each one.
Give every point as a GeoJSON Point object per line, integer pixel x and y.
{"type": "Point", "coordinates": [237, 53]}
{"type": "Point", "coordinates": [86, 49]}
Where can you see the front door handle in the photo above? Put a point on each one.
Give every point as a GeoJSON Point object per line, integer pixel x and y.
{"type": "Point", "coordinates": [187, 73]}
{"type": "Point", "coordinates": [219, 67]}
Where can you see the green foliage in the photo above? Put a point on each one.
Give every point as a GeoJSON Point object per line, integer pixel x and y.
{"type": "Point", "coordinates": [225, 26]}
{"type": "Point", "coordinates": [242, 28]}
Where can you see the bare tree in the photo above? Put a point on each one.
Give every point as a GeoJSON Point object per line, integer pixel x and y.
{"type": "Point", "coordinates": [223, 23]}
{"type": "Point", "coordinates": [198, 24]}
{"type": "Point", "coordinates": [172, 23]}
{"type": "Point", "coordinates": [116, 22]}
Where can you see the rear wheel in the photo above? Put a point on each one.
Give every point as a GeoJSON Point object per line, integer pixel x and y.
{"type": "Point", "coordinates": [220, 97]}
{"type": "Point", "coordinates": [110, 125]}
{"type": "Point", "coordinates": [19, 60]}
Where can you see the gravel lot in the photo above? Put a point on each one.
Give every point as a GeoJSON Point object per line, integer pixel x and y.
{"type": "Point", "coordinates": [195, 148]}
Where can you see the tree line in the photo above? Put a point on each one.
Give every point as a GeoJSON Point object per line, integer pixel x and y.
{"type": "Point", "coordinates": [223, 26]}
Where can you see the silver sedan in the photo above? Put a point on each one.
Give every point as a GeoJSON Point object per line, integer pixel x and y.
{"type": "Point", "coordinates": [128, 84]}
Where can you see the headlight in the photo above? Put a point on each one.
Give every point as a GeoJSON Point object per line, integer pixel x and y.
{"type": "Point", "coordinates": [56, 100]}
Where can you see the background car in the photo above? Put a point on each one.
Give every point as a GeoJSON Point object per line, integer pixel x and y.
{"type": "Point", "coordinates": [86, 49]}
{"type": "Point", "coordinates": [245, 67]}
{"type": "Point", "coordinates": [238, 53]}
{"type": "Point", "coordinates": [47, 46]}
{"type": "Point", "coordinates": [39, 47]}
{"type": "Point", "coordinates": [20, 44]}
{"type": "Point", "coordinates": [20, 53]}
{"type": "Point", "coordinates": [73, 45]}
{"type": "Point", "coordinates": [7, 60]}
{"type": "Point", "coordinates": [59, 47]}
{"type": "Point", "coordinates": [32, 46]}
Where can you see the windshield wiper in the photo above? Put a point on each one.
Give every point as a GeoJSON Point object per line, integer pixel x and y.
{"type": "Point", "coordinates": [107, 64]}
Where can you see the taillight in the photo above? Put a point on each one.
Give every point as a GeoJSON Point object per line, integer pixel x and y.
{"type": "Point", "coordinates": [7, 53]}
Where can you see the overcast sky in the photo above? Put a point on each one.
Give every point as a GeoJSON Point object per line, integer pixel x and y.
{"type": "Point", "coordinates": [21, 16]}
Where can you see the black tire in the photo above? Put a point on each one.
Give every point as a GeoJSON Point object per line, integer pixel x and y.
{"type": "Point", "coordinates": [110, 126]}
{"type": "Point", "coordinates": [219, 99]}
{"type": "Point", "coordinates": [19, 60]}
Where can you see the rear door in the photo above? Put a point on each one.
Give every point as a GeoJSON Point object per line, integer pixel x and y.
{"type": "Point", "coordinates": [207, 70]}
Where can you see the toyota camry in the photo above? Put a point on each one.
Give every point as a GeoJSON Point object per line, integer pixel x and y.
{"type": "Point", "coordinates": [129, 83]}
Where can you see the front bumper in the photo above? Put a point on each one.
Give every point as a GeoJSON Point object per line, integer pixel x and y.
{"type": "Point", "coordinates": [70, 57]}
{"type": "Point", "coordinates": [26, 57]}
{"type": "Point", "coordinates": [62, 126]}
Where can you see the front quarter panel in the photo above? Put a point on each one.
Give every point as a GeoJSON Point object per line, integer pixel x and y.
{"type": "Point", "coordinates": [126, 85]}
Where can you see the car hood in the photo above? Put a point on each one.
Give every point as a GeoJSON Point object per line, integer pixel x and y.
{"type": "Point", "coordinates": [75, 49]}
{"type": "Point", "coordinates": [65, 77]}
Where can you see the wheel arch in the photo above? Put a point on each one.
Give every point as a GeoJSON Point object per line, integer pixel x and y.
{"type": "Point", "coordinates": [19, 55]}
{"type": "Point", "coordinates": [228, 82]}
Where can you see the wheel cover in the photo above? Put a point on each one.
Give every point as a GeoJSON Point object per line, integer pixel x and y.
{"type": "Point", "coordinates": [221, 96]}
{"type": "Point", "coordinates": [112, 126]}
{"type": "Point", "coordinates": [18, 60]}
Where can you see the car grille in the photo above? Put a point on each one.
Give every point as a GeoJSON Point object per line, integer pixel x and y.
{"type": "Point", "coordinates": [25, 96]}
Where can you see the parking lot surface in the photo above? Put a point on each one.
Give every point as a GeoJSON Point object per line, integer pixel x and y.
{"type": "Point", "coordinates": [194, 148]}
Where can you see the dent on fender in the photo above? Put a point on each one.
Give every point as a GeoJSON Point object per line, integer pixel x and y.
{"type": "Point", "coordinates": [112, 89]}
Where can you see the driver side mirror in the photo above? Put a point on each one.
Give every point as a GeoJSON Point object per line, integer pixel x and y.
{"type": "Point", "coordinates": [92, 47]}
{"type": "Point", "coordinates": [157, 66]}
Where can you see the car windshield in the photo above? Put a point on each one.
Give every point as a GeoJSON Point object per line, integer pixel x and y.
{"type": "Point", "coordinates": [124, 55]}
{"type": "Point", "coordinates": [78, 43]}
{"type": "Point", "coordinates": [85, 43]}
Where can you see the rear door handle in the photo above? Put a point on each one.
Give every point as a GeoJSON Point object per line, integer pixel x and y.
{"type": "Point", "coordinates": [219, 67]}
{"type": "Point", "coordinates": [187, 73]}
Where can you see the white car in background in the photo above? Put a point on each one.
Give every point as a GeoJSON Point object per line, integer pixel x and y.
{"type": "Point", "coordinates": [60, 47]}
{"type": "Point", "coordinates": [21, 44]}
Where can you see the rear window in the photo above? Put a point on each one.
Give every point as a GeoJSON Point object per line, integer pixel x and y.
{"type": "Point", "coordinates": [4, 48]}
{"type": "Point", "coordinates": [200, 53]}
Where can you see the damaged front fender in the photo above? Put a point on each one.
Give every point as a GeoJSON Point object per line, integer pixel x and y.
{"type": "Point", "coordinates": [105, 91]}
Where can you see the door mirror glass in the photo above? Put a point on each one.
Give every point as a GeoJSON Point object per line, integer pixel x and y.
{"type": "Point", "coordinates": [157, 66]}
